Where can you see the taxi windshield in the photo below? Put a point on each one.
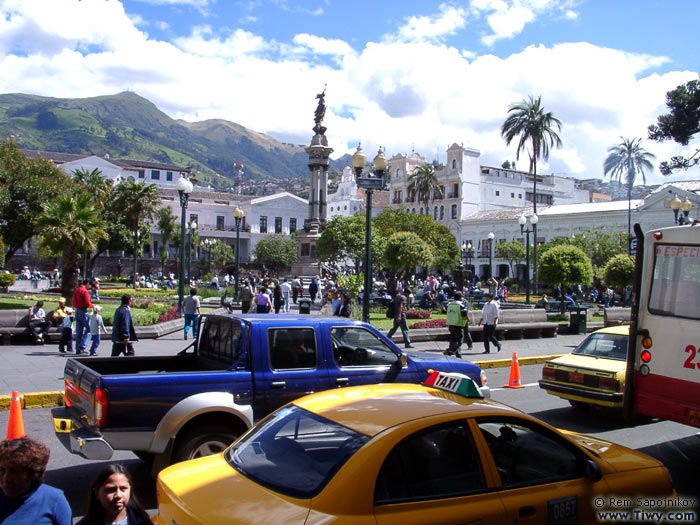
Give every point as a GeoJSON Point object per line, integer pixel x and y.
{"type": "Point", "coordinates": [611, 346]}
{"type": "Point", "coordinates": [294, 452]}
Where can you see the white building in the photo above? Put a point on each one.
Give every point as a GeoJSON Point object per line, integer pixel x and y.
{"type": "Point", "coordinates": [565, 220]}
{"type": "Point", "coordinates": [346, 201]}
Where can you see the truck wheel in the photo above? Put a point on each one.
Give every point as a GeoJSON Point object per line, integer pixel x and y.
{"type": "Point", "coordinates": [205, 441]}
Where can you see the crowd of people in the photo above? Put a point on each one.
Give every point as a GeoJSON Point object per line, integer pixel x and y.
{"type": "Point", "coordinates": [26, 499]}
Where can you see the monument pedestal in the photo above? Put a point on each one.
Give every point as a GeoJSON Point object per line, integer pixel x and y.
{"type": "Point", "coordinates": [307, 264]}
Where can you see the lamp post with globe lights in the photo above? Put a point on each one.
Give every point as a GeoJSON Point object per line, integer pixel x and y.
{"type": "Point", "coordinates": [685, 206]}
{"type": "Point", "coordinates": [527, 231]}
{"type": "Point", "coordinates": [238, 216]}
{"type": "Point", "coordinates": [191, 228]}
{"type": "Point", "coordinates": [184, 188]}
{"type": "Point", "coordinates": [491, 237]}
{"type": "Point", "coordinates": [369, 184]}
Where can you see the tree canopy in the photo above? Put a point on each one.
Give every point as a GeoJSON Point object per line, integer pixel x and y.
{"type": "Point", "coordinates": [619, 272]}
{"type": "Point", "coordinates": [564, 265]}
{"type": "Point", "coordinates": [513, 252]}
{"type": "Point", "coordinates": [276, 252]}
{"type": "Point", "coordinates": [344, 238]}
{"type": "Point", "coordinates": [26, 185]}
{"type": "Point", "coordinates": [405, 251]}
{"type": "Point", "coordinates": [424, 184]}
{"type": "Point", "coordinates": [680, 125]}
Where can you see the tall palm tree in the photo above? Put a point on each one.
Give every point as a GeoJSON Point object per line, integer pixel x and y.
{"type": "Point", "coordinates": [166, 225]}
{"type": "Point", "coordinates": [100, 189]}
{"type": "Point", "coordinates": [69, 223]}
{"type": "Point", "coordinates": [138, 202]}
{"type": "Point", "coordinates": [537, 130]}
{"type": "Point", "coordinates": [423, 182]}
{"type": "Point", "coordinates": [630, 158]}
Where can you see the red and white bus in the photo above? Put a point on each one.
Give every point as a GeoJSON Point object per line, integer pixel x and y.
{"type": "Point", "coordinates": [663, 361]}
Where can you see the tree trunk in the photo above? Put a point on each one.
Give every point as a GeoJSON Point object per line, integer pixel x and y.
{"type": "Point", "coordinates": [136, 244]}
{"type": "Point", "coordinates": [70, 272]}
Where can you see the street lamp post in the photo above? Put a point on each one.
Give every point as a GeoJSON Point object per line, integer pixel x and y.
{"type": "Point", "coordinates": [237, 215]}
{"type": "Point", "coordinates": [468, 253]}
{"type": "Point", "coordinates": [491, 237]}
{"type": "Point", "coordinates": [369, 184]}
{"type": "Point", "coordinates": [184, 188]}
{"type": "Point", "coordinates": [523, 221]}
{"type": "Point", "coordinates": [208, 245]}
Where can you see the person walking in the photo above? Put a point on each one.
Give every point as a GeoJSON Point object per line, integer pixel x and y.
{"type": "Point", "coordinates": [97, 325]}
{"type": "Point", "coordinates": [262, 301]}
{"type": "Point", "coordinates": [38, 325]}
{"type": "Point", "coordinates": [66, 332]}
{"type": "Point", "coordinates": [95, 289]}
{"type": "Point", "coordinates": [313, 290]}
{"type": "Point", "coordinates": [190, 307]}
{"type": "Point", "coordinates": [286, 291]}
{"type": "Point", "coordinates": [457, 319]}
{"type": "Point", "coordinates": [81, 303]}
{"type": "Point", "coordinates": [489, 318]}
{"type": "Point", "coordinates": [277, 298]}
{"type": "Point", "coordinates": [123, 331]}
{"type": "Point", "coordinates": [296, 287]}
{"type": "Point", "coordinates": [400, 320]}
{"type": "Point", "coordinates": [245, 296]}
{"type": "Point", "coordinates": [345, 308]}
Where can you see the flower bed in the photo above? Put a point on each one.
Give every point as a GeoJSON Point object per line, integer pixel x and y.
{"type": "Point", "coordinates": [418, 314]}
{"type": "Point", "coordinates": [432, 323]}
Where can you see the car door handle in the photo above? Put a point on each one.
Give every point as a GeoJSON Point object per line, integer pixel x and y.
{"type": "Point", "coordinates": [340, 381]}
{"type": "Point", "coordinates": [526, 512]}
{"type": "Point", "coordinates": [278, 384]}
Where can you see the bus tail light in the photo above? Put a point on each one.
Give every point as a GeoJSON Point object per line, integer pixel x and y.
{"type": "Point", "coordinates": [100, 407]}
{"type": "Point", "coordinates": [658, 236]}
{"type": "Point", "coordinates": [647, 342]}
{"type": "Point", "coordinates": [645, 356]}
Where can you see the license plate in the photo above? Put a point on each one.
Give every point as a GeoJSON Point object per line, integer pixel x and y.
{"type": "Point", "coordinates": [694, 417]}
{"type": "Point", "coordinates": [576, 377]}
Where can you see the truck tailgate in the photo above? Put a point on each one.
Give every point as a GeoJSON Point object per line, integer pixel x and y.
{"type": "Point", "coordinates": [81, 382]}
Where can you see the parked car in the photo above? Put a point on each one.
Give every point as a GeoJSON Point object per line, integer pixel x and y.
{"type": "Point", "coordinates": [593, 373]}
{"type": "Point", "coordinates": [241, 368]}
{"type": "Point", "coordinates": [405, 454]}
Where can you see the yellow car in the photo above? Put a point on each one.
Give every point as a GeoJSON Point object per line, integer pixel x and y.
{"type": "Point", "coordinates": [593, 373]}
{"type": "Point", "coordinates": [402, 453]}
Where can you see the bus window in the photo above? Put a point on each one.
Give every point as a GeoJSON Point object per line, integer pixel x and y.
{"type": "Point", "coordinates": [675, 286]}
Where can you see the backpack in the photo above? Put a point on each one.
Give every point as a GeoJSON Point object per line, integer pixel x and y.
{"type": "Point", "coordinates": [391, 311]}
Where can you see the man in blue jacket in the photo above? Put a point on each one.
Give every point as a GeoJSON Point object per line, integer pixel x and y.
{"type": "Point", "coordinates": [123, 332]}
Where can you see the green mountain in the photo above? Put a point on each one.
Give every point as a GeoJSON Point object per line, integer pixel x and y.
{"type": "Point", "coordinates": [129, 126]}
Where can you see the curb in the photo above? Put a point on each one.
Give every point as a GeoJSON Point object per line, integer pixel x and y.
{"type": "Point", "coordinates": [34, 400]}
{"type": "Point", "coordinates": [55, 399]}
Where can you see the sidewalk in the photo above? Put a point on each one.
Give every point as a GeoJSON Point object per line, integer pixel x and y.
{"type": "Point", "coordinates": [38, 369]}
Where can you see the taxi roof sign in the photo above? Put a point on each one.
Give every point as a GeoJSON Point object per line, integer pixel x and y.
{"type": "Point", "coordinates": [453, 382]}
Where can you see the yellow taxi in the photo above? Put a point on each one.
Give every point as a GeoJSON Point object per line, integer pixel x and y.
{"type": "Point", "coordinates": [593, 373]}
{"type": "Point", "coordinates": [404, 453]}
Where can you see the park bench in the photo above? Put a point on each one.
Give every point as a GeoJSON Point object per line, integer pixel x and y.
{"type": "Point", "coordinates": [15, 323]}
{"type": "Point", "coordinates": [616, 316]}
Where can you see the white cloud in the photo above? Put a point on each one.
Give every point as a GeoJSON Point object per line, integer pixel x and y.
{"type": "Point", "coordinates": [432, 28]}
{"type": "Point", "coordinates": [379, 94]}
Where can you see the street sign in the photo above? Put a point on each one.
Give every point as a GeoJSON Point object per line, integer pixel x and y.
{"type": "Point", "coordinates": [370, 182]}
{"type": "Point", "coordinates": [632, 245]}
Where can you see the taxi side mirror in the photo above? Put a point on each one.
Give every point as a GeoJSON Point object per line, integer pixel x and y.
{"type": "Point", "coordinates": [592, 471]}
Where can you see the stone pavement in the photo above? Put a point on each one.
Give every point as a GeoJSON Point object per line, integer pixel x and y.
{"type": "Point", "coordinates": [38, 369]}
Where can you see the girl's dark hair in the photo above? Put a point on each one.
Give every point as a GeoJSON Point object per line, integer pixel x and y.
{"type": "Point", "coordinates": [95, 513]}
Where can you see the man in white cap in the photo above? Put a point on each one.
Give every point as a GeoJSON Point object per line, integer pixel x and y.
{"type": "Point", "coordinates": [489, 317]}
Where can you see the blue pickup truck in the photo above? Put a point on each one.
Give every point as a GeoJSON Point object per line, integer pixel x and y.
{"type": "Point", "coordinates": [195, 403]}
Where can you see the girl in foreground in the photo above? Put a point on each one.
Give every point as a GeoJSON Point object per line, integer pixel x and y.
{"type": "Point", "coordinates": [111, 500]}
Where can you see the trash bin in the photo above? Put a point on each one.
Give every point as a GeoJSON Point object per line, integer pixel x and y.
{"type": "Point", "coordinates": [578, 317]}
{"type": "Point", "coordinates": [304, 306]}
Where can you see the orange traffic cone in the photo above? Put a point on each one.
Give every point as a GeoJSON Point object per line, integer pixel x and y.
{"type": "Point", "coordinates": [15, 427]}
{"type": "Point", "coordinates": [514, 381]}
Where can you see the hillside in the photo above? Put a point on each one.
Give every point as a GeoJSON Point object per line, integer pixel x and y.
{"type": "Point", "coordinates": [129, 126]}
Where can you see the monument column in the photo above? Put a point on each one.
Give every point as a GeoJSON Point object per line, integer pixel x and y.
{"type": "Point", "coordinates": [319, 153]}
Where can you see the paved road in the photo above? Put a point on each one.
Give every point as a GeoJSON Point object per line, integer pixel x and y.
{"type": "Point", "coordinates": [39, 368]}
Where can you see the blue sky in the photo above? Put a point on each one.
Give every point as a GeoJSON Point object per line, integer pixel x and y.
{"type": "Point", "coordinates": [402, 74]}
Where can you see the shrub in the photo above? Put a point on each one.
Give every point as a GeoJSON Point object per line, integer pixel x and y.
{"type": "Point", "coordinates": [7, 279]}
{"type": "Point", "coordinates": [432, 323]}
{"type": "Point", "coordinates": [418, 314]}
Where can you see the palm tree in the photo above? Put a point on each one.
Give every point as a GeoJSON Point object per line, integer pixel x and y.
{"type": "Point", "coordinates": [423, 182]}
{"type": "Point", "coordinates": [537, 133]}
{"type": "Point", "coordinates": [138, 202]}
{"type": "Point", "coordinates": [68, 224]}
{"type": "Point", "coordinates": [630, 158]}
{"type": "Point", "coordinates": [100, 189]}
